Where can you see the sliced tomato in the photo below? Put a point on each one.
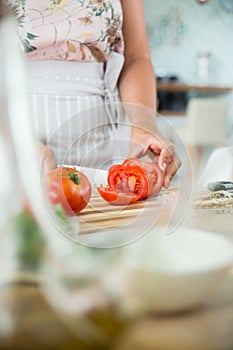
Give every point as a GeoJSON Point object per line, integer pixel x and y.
{"type": "Point", "coordinates": [132, 180]}
{"type": "Point", "coordinates": [117, 198]}
{"type": "Point", "coordinates": [154, 174]}
{"type": "Point", "coordinates": [129, 179]}
{"type": "Point", "coordinates": [155, 177]}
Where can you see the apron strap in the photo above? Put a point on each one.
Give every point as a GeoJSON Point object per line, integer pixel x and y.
{"type": "Point", "coordinates": [120, 126]}
{"type": "Point", "coordinates": [112, 72]}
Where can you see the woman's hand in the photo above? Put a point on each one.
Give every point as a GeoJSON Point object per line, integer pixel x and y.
{"type": "Point", "coordinates": [158, 148]}
{"type": "Point", "coordinates": [46, 158]}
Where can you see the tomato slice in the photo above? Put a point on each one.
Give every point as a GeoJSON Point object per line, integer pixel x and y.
{"type": "Point", "coordinates": [129, 179]}
{"type": "Point", "coordinates": [117, 198]}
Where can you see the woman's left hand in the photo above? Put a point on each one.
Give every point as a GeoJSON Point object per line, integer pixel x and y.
{"type": "Point", "coordinates": [46, 158]}
{"type": "Point", "coordinates": [158, 148]}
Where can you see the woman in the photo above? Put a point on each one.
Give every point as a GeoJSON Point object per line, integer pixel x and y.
{"type": "Point", "coordinates": [78, 52]}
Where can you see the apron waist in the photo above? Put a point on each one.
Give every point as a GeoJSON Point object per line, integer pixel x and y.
{"type": "Point", "coordinates": [65, 78]}
{"type": "Point", "coordinates": [74, 78]}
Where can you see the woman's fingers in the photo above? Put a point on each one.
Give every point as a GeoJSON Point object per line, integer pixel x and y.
{"type": "Point", "coordinates": [160, 151]}
{"type": "Point", "coordinates": [168, 161]}
{"type": "Point", "coordinates": [171, 170]}
{"type": "Point", "coordinates": [166, 155]}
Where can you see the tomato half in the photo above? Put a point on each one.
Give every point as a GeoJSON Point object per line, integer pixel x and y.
{"type": "Point", "coordinates": [154, 174]}
{"type": "Point", "coordinates": [132, 180]}
{"type": "Point", "coordinates": [118, 198]}
{"type": "Point", "coordinates": [70, 188]}
{"type": "Point", "coordinates": [129, 179]}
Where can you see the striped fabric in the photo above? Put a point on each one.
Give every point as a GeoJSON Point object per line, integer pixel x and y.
{"type": "Point", "coordinates": [77, 111]}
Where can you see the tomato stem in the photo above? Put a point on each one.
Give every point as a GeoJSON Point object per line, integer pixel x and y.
{"type": "Point", "coordinates": [74, 176]}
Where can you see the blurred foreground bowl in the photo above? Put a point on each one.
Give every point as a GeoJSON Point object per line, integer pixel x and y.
{"type": "Point", "coordinates": [170, 273]}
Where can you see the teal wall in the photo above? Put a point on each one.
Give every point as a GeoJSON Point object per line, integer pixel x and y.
{"type": "Point", "coordinates": [179, 29]}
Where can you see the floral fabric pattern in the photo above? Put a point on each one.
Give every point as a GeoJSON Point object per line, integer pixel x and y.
{"type": "Point", "coordinates": [72, 30]}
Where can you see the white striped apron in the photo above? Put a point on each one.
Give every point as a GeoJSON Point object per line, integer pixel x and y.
{"type": "Point", "coordinates": [77, 112]}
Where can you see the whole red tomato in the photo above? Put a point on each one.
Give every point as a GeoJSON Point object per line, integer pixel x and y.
{"type": "Point", "coordinates": [70, 188]}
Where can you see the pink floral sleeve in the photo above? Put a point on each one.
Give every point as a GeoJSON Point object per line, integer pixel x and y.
{"type": "Point", "coordinates": [72, 30]}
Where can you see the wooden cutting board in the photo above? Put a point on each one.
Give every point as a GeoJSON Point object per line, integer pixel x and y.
{"type": "Point", "coordinates": [99, 215]}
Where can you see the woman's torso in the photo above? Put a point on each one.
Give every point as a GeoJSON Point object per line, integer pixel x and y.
{"type": "Point", "coordinates": [69, 30]}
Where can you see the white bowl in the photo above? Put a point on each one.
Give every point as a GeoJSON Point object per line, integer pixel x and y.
{"type": "Point", "coordinates": [170, 273]}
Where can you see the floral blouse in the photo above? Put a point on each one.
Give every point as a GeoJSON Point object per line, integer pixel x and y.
{"type": "Point", "coordinates": [72, 30]}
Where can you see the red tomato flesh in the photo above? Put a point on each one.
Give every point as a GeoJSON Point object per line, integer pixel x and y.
{"type": "Point", "coordinates": [117, 198]}
{"type": "Point", "coordinates": [129, 179]}
{"type": "Point", "coordinates": [132, 179]}
{"type": "Point", "coordinates": [154, 173]}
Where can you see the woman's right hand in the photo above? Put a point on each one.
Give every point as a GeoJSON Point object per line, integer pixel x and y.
{"type": "Point", "coordinates": [158, 148]}
{"type": "Point", "coordinates": [46, 158]}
